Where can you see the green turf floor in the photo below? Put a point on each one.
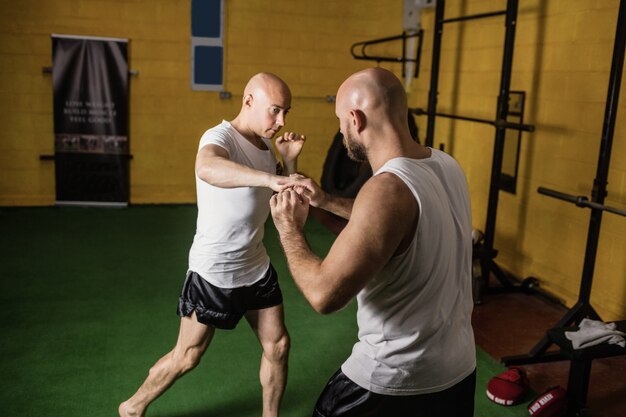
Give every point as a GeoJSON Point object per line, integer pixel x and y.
{"type": "Point", "coordinates": [88, 303]}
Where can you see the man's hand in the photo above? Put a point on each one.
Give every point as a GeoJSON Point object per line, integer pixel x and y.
{"type": "Point", "coordinates": [289, 146]}
{"type": "Point", "coordinates": [278, 183]}
{"type": "Point", "coordinates": [317, 197]}
{"type": "Point", "coordinates": [307, 188]}
{"type": "Point", "coordinates": [289, 211]}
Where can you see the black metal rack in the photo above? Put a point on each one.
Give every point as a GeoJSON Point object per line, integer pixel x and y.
{"type": "Point", "coordinates": [580, 360]}
{"type": "Point", "coordinates": [484, 251]}
{"type": "Point", "coordinates": [583, 307]}
{"type": "Point", "coordinates": [403, 58]}
{"type": "Point", "coordinates": [499, 124]}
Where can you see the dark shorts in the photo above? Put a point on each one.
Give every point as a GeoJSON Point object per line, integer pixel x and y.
{"type": "Point", "coordinates": [224, 307]}
{"type": "Point", "coordinates": [344, 398]}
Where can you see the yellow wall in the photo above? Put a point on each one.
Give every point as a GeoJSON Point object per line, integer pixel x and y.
{"type": "Point", "coordinates": [562, 59]}
{"type": "Point", "coordinates": [307, 43]}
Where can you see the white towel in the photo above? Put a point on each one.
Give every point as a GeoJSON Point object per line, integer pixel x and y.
{"type": "Point", "coordinates": [594, 332]}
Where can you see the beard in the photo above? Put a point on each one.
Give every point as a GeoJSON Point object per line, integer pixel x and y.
{"type": "Point", "coordinates": [356, 151]}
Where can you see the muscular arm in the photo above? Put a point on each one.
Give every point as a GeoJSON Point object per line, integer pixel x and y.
{"type": "Point", "coordinates": [214, 166]}
{"type": "Point", "coordinates": [383, 220]}
{"type": "Point", "coordinates": [340, 206]}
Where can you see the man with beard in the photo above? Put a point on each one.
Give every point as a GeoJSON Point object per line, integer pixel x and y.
{"type": "Point", "coordinates": [405, 254]}
{"type": "Point", "coordinates": [229, 274]}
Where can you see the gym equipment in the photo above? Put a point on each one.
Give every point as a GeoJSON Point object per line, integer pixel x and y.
{"type": "Point", "coordinates": [403, 58]}
{"type": "Point", "coordinates": [550, 403]}
{"type": "Point", "coordinates": [484, 251]}
{"type": "Point", "coordinates": [580, 366]}
{"type": "Point", "coordinates": [509, 387]}
{"type": "Point", "coordinates": [341, 175]}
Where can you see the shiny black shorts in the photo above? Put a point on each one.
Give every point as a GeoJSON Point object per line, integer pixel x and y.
{"type": "Point", "coordinates": [344, 398]}
{"type": "Point", "coordinates": [224, 307]}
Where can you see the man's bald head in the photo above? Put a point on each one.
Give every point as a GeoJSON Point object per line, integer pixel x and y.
{"type": "Point", "coordinates": [266, 102]}
{"type": "Point", "coordinates": [374, 90]}
{"type": "Point", "coordinates": [267, 84]}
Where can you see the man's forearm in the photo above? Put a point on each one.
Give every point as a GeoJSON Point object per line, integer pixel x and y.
{"type": "Point", "coordinates": [228, 174]}
{"type": "Point", "coordinates": [291, 167]}
{"type": "Point", "coordinates": [304, 265]}
{"type": "Point", "coordinates": [340, 206]}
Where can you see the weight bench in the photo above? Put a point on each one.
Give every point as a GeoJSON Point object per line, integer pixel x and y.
{"type": "Point", "coordinates": [580, 365]}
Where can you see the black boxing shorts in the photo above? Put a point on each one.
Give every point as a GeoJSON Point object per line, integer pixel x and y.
{"type": "Point", "coordinates": [343, 398]}
{"type": "Point", "coordinates": [224, 307]}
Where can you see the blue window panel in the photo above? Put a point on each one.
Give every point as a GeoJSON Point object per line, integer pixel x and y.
{"type": "Point", "coordinates": [206, 18]}
{"type": "Point", "coordinates": [208, 65]}
{"type": "Point", "coordinates": [207, 45]}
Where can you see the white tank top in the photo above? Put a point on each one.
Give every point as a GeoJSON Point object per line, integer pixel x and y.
{"type": "Point", "coordinates": [414, 317]}
{"type": "Point", "coordinates": [228, 249]}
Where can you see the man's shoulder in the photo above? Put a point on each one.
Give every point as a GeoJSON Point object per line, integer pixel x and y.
{"type": "Point", "coordinates": [384, 179]}
{"type": "Point", "coordinates": [386, 188]}
{"type": "Point", "coordinates": [223, 128]}
{"type": "Point", "coordinates": [220, 134]}
{"type": "Point", "coordinates": [385, 207]}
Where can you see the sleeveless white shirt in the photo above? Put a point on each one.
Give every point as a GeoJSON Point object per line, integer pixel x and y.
{"type": "Point", "coordinates": [227, 248]}
{"type": "Point", "coordinates": [414, 317]}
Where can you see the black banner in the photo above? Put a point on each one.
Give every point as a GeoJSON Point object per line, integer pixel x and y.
{"type": "Point", "coordinates": [90, 81]}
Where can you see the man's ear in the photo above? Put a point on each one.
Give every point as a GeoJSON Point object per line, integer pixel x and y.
{"type": "Point", "coordinates": [359, 121]}
{"type": "Point", "coordinates": [247, 100]}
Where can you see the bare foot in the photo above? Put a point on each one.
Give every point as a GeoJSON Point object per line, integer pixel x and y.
{"type": "Point", "coordinates": [126, 411]}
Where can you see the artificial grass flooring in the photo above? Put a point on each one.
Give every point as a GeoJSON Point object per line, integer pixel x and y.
{"type": "Point", "coordinates": [88, 303]}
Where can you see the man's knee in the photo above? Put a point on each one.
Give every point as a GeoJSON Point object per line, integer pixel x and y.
{"type": "Point", "coordinates": [184, 361]}
{"type": "Point", "coordinates": [191, 359]}
{"type": "Point", "coordinates": [277, 350]}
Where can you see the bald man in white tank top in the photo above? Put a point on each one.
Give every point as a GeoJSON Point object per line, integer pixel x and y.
{"type": "Point", "coordinates": [405, 255]}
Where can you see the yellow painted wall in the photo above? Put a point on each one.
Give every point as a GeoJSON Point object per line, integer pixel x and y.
{"type": "Point", "coordinates": [562, 59]}
{"type": "Point", "coordinates": [307, 43]}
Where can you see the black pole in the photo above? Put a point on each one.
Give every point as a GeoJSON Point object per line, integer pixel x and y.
{"type": "Point", "coordinates": [403, 53]}
{"type": "Point", "coordinates": [580, 201]}
{"type": "Point", "coordinates": [496, 123]}
{"type": "Point", "coordinates": [604, 159]}
{"type": "Point", "coordinates": [498, 149]}
{"type": "Point", "coordinates": [419, 52]}
{"type": "Point", "coordinates": [434, 73]}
